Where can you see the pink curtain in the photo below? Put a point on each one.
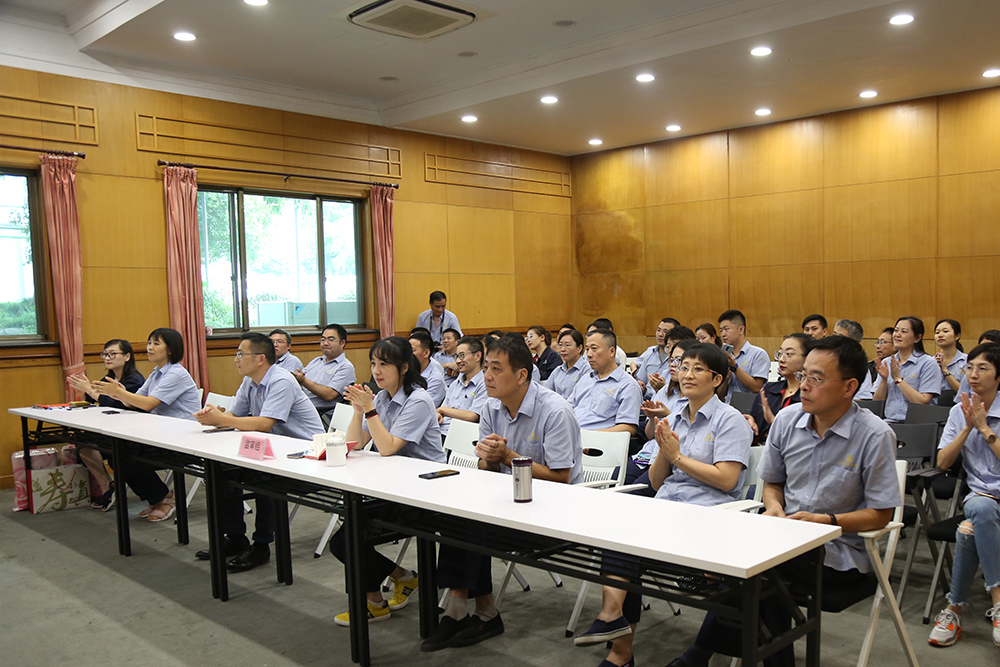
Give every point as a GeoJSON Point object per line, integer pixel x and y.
{"type": "Point", "coordinates": [62, 221]}
{"type": "Point", "coordinates": [381, 202]}
{"type": "Point", "coordinates": [184, 288]}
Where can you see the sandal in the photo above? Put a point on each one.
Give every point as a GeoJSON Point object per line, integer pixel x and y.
{"type": "Point", "coordinates": [156, 516]}
{"type": "Point", "coordinates": [107, 501]}
{"type": "Point", "coordinates": [167, 500]}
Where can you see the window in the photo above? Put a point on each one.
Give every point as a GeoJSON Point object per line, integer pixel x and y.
{"type": "Point", "coordinates": [19, 246]}
{"type": "Point", "coordinates": [271, 260]}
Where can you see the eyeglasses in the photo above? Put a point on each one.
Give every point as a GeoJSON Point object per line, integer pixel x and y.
{"type": "Point", "coordinates": [462, 356]}
{"type": "Point", "coordinates": [684, 370]}
{"type": "Point", "coordinates": [779, 354]}
{"type": "Point", "coordinates": [880, 343]}
{"type": "Point", "coordinates": [979, 370]}
{"type": "Point", "coordinates": [675, 362]}
{"type": "Point", "coordinates": [111, 355]}
{"type": "Point", "coordinates": [240, 354]}
{"type": "Point", "coordinates": [811, 379]}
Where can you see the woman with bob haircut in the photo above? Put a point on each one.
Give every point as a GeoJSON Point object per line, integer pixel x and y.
{"type": "Point", "coordinates": [910, 375]}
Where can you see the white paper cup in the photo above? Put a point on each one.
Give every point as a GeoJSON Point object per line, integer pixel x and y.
{"type": "Point", "coordinates": [336, 454]}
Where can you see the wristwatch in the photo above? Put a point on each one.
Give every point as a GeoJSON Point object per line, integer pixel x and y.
{"type": "Point", "coordinates": [898, 381]}
{"type": "Point", "coordinates": [991, 438]}
{"type": "Point", "coordinates": [371, 413]}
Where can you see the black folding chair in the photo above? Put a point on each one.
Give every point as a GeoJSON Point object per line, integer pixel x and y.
{"type": "Point", "coordinates": [878, 407]}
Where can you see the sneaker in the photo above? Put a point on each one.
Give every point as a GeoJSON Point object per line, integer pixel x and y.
{"type": "Point", "coordinates": [479, 631]}
{"type": "Point", "coordinates": [996, 624]}
{"type": "Point", "coordinates": [376, 613]}
{"type": "Point", "coordinates": [604, 631]}
{"type": "Point", "coordinates": [947, 629]}
{"type": "Point", "coordinates": [402, 589]}
{"type": "Point", "coordinates": [445, 633]}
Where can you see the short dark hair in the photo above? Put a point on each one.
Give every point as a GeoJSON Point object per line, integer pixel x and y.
{"type": "Point", "coordinates": [917, 325]}
{"type": "Point", "coordinates": [956, 327]}
{"type": "Point", "coordinates": [989, 351]}
{"type": "Point", "coordinates": [888, 330]}
{"type": "Point", "coordinates": [496, 333]}
{"type": "Point", "coordinates": [437, 295]}
{"type": "Point", "coordinates": [126, 348]}
{"type": "Point", "coordinates": [852, 362]}
{"type": "Point", "coordinates": [684, 345]}
{"type": "Point", "coordinates": [543, 332]}
{"type": "Point", "coordinates": [516, 350]}
{"type": "Point", "coordinates": [341, 331]}
{"type": "Point", "coordinates": [573, 334]}
{"type": "Point", "coordinates": [992, 335]}
{"type": "Point", "coordinates": [425, 341]}
{"type": "Point", "coordinates": [854, 329]}
{"type": "Point", "coordinates": [607, 335]}
{"type": "Point", "coordinates": [420, 330]}
{"type": "Point", "coordinates": [455, 332]}
{"type": "Point", "coordinates": [817, 317]}
{"type": "Point", "coordinates": [288, 336]}
{"type": "Point", "coordinates": [710, 355]}
{"type": "Point", "coordinates": [670, 320]}
{"type": "Point", "coordinates": [567, 325]}
{"type": "Point", "coordinates": [174, 342]}
{"type": "Point", "coordinates": [602, 323]}
{"type": "Point", "coordinates": [680, 332]}
{"type": "Point", "coordinates": [396, 350]}
{"type": "Point", "coordinates": [475, 346]}
{"type": "Point", "coordinates": [805, 340]}
{"type": "Point", "coordinates": [733, 316]}
{"type": "Point", "coordinates": [260, 344]}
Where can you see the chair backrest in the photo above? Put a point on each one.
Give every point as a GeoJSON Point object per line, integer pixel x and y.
{"type": "Point", "coordinates": [753, 489]}
{"type": "Point", "coordinates": [742, 401]}
{"type": "Point", "coordinates": [341, 417]}
{"type": "Point", "coordinates": [604, 454]}
{"type": "Point", "coordinates": [221, 400]}
{"type": "Point", "coordinates": [897, 515]}
{"type": "Point", "coordinates": [201, 395]}
{"type": "Point", "coordinates": [459, 444]}
{"type": "Point", "coordinates": [947, 398]}
{"type": "Point", "coordinates": [878, 407]}
{"type": "Point", "coordinates": [773, 375]}
{"type": "Point", "coordinates": [915, 443]}
{"type": "Point", "coordinates": [918, 413]}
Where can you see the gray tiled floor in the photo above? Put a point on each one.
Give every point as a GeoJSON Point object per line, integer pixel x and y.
{"type": "Point", "coordinates": [66, 596]}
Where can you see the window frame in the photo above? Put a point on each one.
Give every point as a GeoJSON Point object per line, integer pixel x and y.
{"type": "Point", "coordinates": [239, 261]}
{"type": "Point", "coordinates": [39, 258]}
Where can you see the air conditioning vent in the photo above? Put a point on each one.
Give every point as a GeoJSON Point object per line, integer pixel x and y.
{"type": "Point", "coordinates": [413, 19]}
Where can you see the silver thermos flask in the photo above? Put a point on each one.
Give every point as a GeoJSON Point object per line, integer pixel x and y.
{"type": "Point", "coordinates": [521, 467]}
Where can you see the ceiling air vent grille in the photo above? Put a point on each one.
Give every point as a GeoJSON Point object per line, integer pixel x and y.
{"type": "Point", "coordinates": [413, 19]}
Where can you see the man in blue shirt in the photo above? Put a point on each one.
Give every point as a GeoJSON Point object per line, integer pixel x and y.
{"type": "Point", "coordinates": [826, 461]}
{"type": "Point", "coordinates": [325, 377]}
{"type": "Point", "coordinates": [282, 351]}
{"type": "Point", "coordinates": [269, 401]}
{"type": "Point", "coordinates": [749, 365]}
{"type": "Point", "coordinates": [467, 394]}
{"type": "Point", "coordinates": [656, 358]}
{"type": "Point", "coordinates": [437, 318]}
{"type": "Point", "coordinates": [607, 398]}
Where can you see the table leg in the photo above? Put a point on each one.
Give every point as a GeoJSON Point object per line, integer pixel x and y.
{"type": "Point", "coordinates": [282, 540]}
{"type": "Point", "coordinates": [213, 492]}
{"type": "Point", "coordinates": [180, 498]}
{"type": "Point", "coordinates": [428, 587]}
{"type": "Point", "coordinates": [750, 603]}
{"type": "Point", "coordinates": [357, 600]}
{"type": "Point", "coordinates": [814, 610]}
{"type": "Point", "coordinates": [119, 462]}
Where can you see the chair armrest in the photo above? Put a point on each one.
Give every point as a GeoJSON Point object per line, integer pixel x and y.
{"type": "Point", "coordinates": [741, 506]}
{"type": "Point", "coordinates": [628, 488]}
{"type": "Point", "coordinates": [925, 473]}
{"type": "Point", "coordinates": [876, 534]}
{"type": "Point", "coordinates": [599, 484]}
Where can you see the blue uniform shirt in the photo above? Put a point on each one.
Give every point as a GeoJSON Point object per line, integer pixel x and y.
{"type": "Point", "coordinates": [465, 394]}
{"type": "Point", "coordinates": [920, 372]}
{"type": "Point", "coordinates": [674, 402]}
{"type": "Point", "coordinates": [603, 403]}
{"type": "Point", "coordinates": [434, 375]}
{"type": "Point", "coordinates": [957, 369]}
{"type": "Point", "coordinates": [649, 363]}
{"type": "Point", "coordinates": [411, 417]}
{"type": "Point", "coordinates": [443, 359]}
{"type": "Point", "coordinates": [852, 467]}
{"type": "Point", "coordinates": [174, 387]}
{"type": "Point", "coordinates": [278, 397]}
{"type": "Point", "coordinates": [754, 361]}
{"type": "Point", "coordinates": [289, 362]}
{"type": "Point", "coordinates": [448, 321]}
{"type": "Point", "coordinates": [336, 374]}
{"type": "Point", "coordinates": [544, 428]}
{"type": "Point", "coordinates": [718, 433]}
{"type": "Point", "coordinates": [563, 380]}
{"type": "Point", "coordinates": [981, 463]}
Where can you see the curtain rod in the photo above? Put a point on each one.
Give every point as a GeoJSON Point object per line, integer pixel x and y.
{"type": "Point", "coordinates": [50, 151]}
{"type": "Point", "coordinates": [164, 163]}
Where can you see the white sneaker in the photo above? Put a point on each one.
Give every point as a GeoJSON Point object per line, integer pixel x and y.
{"type": "Point", "coordinates": [996, 624]}
{"type": "Point", "coordinates": [947, 629]}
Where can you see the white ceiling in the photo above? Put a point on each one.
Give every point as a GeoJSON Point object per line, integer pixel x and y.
{"type": "Point", "coordinates": [825, 53]}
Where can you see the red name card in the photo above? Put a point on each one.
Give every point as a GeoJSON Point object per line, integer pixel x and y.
{"type": "Point", "coordinates": [255, 447]}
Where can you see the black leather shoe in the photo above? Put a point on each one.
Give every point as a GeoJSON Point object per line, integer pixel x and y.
{"type": "Point", "coordinates": [445, 632]}
{"type": "Point", "coordinates": [480, 630]}
{"type": "Point", "coordinates": [255, 556]}
{"type": "Point", "coordinates": [232, 546]}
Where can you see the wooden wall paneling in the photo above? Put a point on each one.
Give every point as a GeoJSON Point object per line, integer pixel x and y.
{"type": "Point", "coordinates": [113, 210]}
{"type": "Point", "coordinates": [692, 296]}
{"type": "Point", "coordinates": [420, 237]}
{"type": "Point", "coordinates": [686, 170]}
{"type": "Point", "coordinates": [880, 221]}
{"type": "Point", "coordinates": [609, 181]}
{"type": "Point", "coordinates": [542, 244]}
{"type": "Point", "coordinates": [969, 291]}
{"type": "Point", "coordinates": [693, 235]}
{"type": "Point", "coordinates": [481, 240]}
{"type": "Point", "coordinates": [71, 91]}
{"type": "Point", "coordinates": [123, 303]}
{"type": "Point", "coordinates": [876, 294]}
{"type": "Point", "coordinates": [362, 365]}
{"type": "Point", "coordinates": [233, 114]}
{"type": "Point", "coordinates": [969, 214]}
{"type": "Point", "coordinates": [773, 229]}
{"type": "Point", "coordinates": [22, 387]}
{"type": "Point", "coordinates": [117, 154]}
{"type": "Point", "coordinates": [412, 146]}
{"type": "Point", "coordinates": [483, 300]}
{"type": "Point", "coordinates": [412, 292]}
{"type": "Point", "coordinates": [19, 82]}
{"type": "Point", "coordinates": [609, 241]}
{"type": "Point", "coordinates": [490, 160]}
{"type": "Point", "coordinates": [223, 376]}
{"type": "Point", "coordinates": [969, 132]}
{"type": "Point", "coordinates": [619, 296]}
{"type": "Point", "coordinates": [881, 143]}
{"type": "Point", "coordinates": [774, 299]}
{"type": "Point", "coordinates": [320, 127]}
{"type": "Point", "coordinates": [543, 297]}
{"type": "Point", "coordinates": [479, 197]}
{"type": "Point", "coordinates": [542, 203]}
{"type": "Point", "coordinates": [776, 158]}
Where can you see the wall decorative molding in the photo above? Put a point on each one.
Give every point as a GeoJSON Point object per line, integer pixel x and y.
{"type": "Point", "coordinates": [452, 170]}
{"type": "Point", "coordinates": [50, 120]}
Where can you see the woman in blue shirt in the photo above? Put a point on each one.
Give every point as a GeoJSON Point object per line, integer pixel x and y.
{"type": "Point", "coordinates": [951, 358]}
{"type": "Point", "coordinates": [909, 376]}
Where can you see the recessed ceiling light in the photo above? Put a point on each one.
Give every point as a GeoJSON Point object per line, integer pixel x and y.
{"type": "Point", "coordinates": [256, 3]}
{"type": "Point", "coordinates": [763, 112]}
{"type": "Point", "coordinates": [468, 54]}
{"type": "Point", "coordinates": [645, 78]}
{"type": "Point", "coordinates": [673, 128]}
{"type": "Point", "coordinates": [761, 51]}
{"type": "Point", "coordinates": [184, 36]}
{"type": "Point", "coordinates": [388, 78]}
{"type": "Point", "coordinates": [868, 93]}
{"type": "Point", "coordinates": [469, 119]}
{"type": "Point", "coordinates": [595, 142]}
{"type": "Point", "coordinates": [565, 24]}
{"type": "Point", "coordinates": [550, 99]}
{"type": "Point", "coordinates": [991, 73]}
{"type": "Point", "coordinates": [901, 19]}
